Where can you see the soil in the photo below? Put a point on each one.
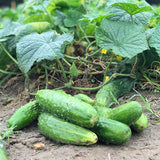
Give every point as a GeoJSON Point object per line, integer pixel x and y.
{"type": "Point", "coordinates": [20, 146]}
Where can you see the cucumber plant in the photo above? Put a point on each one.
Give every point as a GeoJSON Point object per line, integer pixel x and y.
{"type": "Point", "coordinates": [41, 37]}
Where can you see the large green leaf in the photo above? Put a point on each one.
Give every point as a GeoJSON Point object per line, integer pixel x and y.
{"type": "Point", "coordinates": [125, 39]}
{"type": "Point", "coordinates": [36, 47]}
{"type": "Point", "coordinates": [120, 14]}
{"type": "Point", "coordinates": [97, 17]}
{"type": "Point", "coordinates": [111, 2]}
{"type": "Point", "coordinates": [37, 18]}
{"type": "Point", "coordinates": [10, 29]}
{"type": "Point", "coordinates": [132, 8]}
{"type": "Point", "coordinates": [4, 59]}
{"type": "Point", "coordinates": [73, 3]}
{"type": "Point", "coordinates": [139, 18]}
{"type": "Point", "coordinates": [155, 39]}
{"type": "Point", "coordinates": [73, 18]}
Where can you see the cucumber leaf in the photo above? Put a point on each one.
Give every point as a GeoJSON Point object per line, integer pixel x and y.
{"type": "Point", "coordinates": [155, 39]}
{"type": "Point", "coordinates": [73, 71]}
{"type": "Point", "coordinates": [124, 14]}
{"type": "Point", "coordinates": [132, 8]}
{"type": "Point", "coordinates": [123, 38]}
{"type": "Point", "coordinates": [111, 2]}
{"type": "Point", "coordinates": [73, 18]}
{"type": "Point", "coordinates": [4, 60]}
{"type": "Point", "coordinates": [37, 18]}
{"type": "Point", "coordinates": [10, 29]}
{"type": "Point", "coordinates": [37, 47]}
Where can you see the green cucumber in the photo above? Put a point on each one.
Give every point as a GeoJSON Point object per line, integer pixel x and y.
{"type": "Point", "coordinates": [3, 153]}
{"type": "Point", "coordinates": [24, 116]}
{"type": "Point", "coordinates": [112, 132]}
{"type": "Point", "coordinates": [62, 131]}
{"type": "Point", "coordinates": [102, 111]}
{"type": "Point", "coordinates": [67, 107]}
{"type": "Point", "coordinates": [126, 113]}
{"type": "Point", "coordinates": [140, 124]}
{"type": "Point", "coordinates": [109, 93]}
{"type": "Point", "coordinates": [85, 98]}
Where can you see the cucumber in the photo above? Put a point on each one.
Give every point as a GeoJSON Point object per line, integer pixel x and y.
{"type": "Point", "coordinates": [67, 107]}
{"type": "Point", "coordinates": [85, 98]}
{"type": "Point", "coordinates": [3, 153]}
{"type": "Point", "coordinates": [102, 111]}
{"type": "Point", "coordinates": [24, 116]}
{"type": "Point", "coordinates": [126, 113]}
{"type": "Point", "coordinates": [140, 124]}
{"type": "Point", "coordinates": [112, 132]}
{"type": "Point", "coordinates": [107, 95]}
{"type": "Point", "coordinates": [62, 131]}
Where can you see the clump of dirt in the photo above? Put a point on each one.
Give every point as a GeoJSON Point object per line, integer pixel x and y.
{"type": "Point", "coordinates": [141, 146]}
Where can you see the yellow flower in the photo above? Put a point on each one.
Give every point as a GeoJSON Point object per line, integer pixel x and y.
{"type": "Point", "coordinates": [82, 1]}
{"type": "Point", "coordinates": [119, 57]}
{"type": "Point", "coordinates": [101, 1]}
{"type": "Point", "coordinates": [107, 78]}
{"type": "Point", "coordinates": [38, 70]}
{"type": "Point", "coordinates": [90, 48]}
{"type": "Point", "coordinates": [104, 51]}
{"type": "Point", "coordinates": [49, 82]}
{"type": "Point", "coordinates": [158, 69]}
{"type": "Point", "coordinates": [85, 43]}
{"type": "Point", "coordinates": [41, 77]}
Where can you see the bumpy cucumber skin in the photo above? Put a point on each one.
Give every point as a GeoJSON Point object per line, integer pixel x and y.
{"type": "Point", "coordinates": [62, 131]}
{"type": "Point", "coordinates": [24, 116]}
{"type": "Point", "coordinates": [105, 96]}
{"type": "Point", "coordinates": [141, 124]}
{"type": "Point", "coordinates": [112, 132]}
{"type": "Point", "coordinates": [67, 107]}
{"type": "Point", "coordinates": [126, 113]}
{"type": "Point", "coordinates": [3, 153]}
{"type": "Point", "coordinates": [102, 111]}
{"type": "Point", "coordinates": [85, 98]}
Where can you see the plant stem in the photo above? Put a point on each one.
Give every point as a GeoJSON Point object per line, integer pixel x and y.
{"type": "Point", "coordinates": [157, 85]}
{"type": "Point", "coordinates": [5, 72]}
{"type": "Point", "coordinates": [5, 79]}
{"type": "Point", "coordinates": [46, 73]}
{"type": "Point", "coordinates": [66, 62]}
{"type": "Point", "coordinates": [133, 68]}
{"type": "Point", "coordinates": [94, 53]}
{"type": "Point", "coordinates": [88, 89]}
{"type": "Point", "coordinates": [13, 59]}
{"type": "Point", "coordinates": [145, 76]}
{"type": "Point", "coordinates": [84, 33]}
{"type": "Point", "coordinates": [144, 59]}
{"type": "Point", "coordinates": [27, 80]}
{"type": "Point", "coordinates": [87, 61]}
{"type": "Point", "coordinates": [131, 18]}
{"type": "Point", "coordinates": [105, 72]}
{"type": "Point", "coordinates": [62, 68]}
{"type": "Point", "coordinates": [88, 48]}
{"type": "Point", "coordinates": [85, 37]}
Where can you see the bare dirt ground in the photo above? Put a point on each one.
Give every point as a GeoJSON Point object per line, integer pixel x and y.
{"type": "Point", "coordinates": [142, 146]}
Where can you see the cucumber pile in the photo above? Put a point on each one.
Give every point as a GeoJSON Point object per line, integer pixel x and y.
{"type": "Point", "coordinates": [78, 119]}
